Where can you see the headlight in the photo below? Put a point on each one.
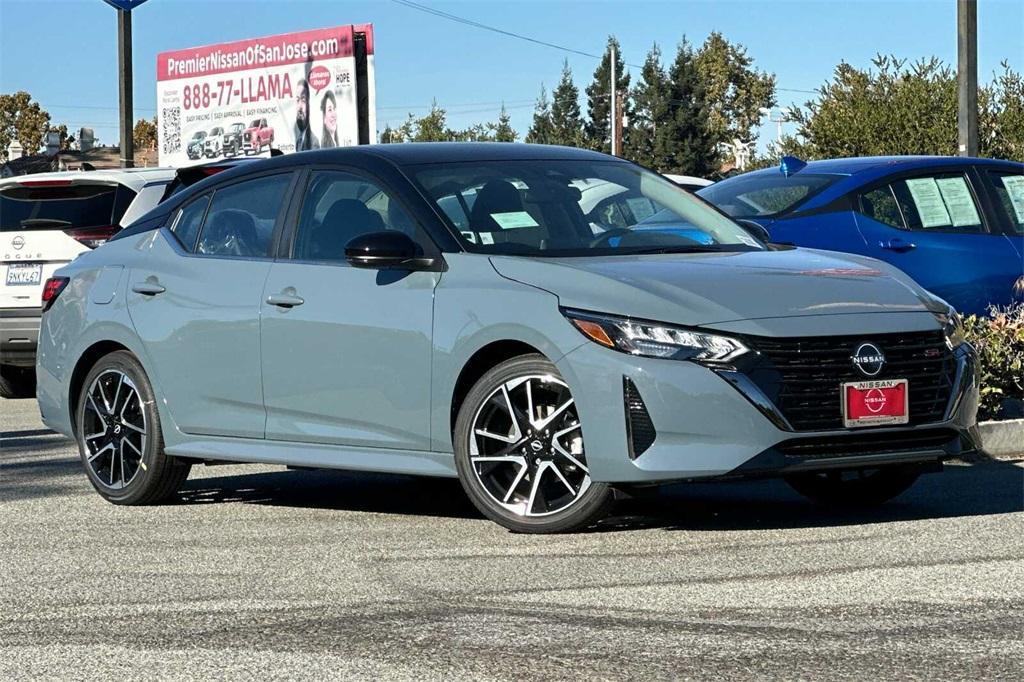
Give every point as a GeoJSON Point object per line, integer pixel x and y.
{"type": "Point", "coordinates": [952, 328]}
{"type": "Point", "coordinates": [655, 340]}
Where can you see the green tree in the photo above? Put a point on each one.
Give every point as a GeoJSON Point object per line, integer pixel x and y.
{"type": "Point", "coordinates": [144, 134]}
{"type": "Point", "coordinates": [683, 144]}
{"type": "Point", "coordinates": [502, 131]}
{"type": "Point", "coordinates": [566, 121]}
{"type": "Point", "coordinates": [734, 90]}
{"type": "Point", "coordinates": [542, 129]}
{"type": "Point", "coordinates": [598, 125]}
{"type": "Point", "coordinates": [432, 127]}
{"type": "Point", "coordinates": [650, 109]}
{"type": "Point", "coordinates": [1001, 120]}
{"type": "Point", "coordinates": [23, 120]}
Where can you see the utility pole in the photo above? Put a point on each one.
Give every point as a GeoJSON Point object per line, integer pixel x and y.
{"type": "Point", "coordinates": [124, 72]}
{"type": "Point", "coordinates": [614, 105]}
{"type": "Point", "coordinates": [967, 76]}
{"type": "Point", "coordinates": [619, 125]}
{"type": "Point", "coordinates": [124, 76]}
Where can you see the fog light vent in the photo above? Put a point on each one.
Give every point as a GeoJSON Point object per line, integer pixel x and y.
{"type": "Point", "coordinates": [639, 427]}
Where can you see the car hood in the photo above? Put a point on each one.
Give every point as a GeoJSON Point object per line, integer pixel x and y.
{"type": "Point", "coordinates": [710, 288]}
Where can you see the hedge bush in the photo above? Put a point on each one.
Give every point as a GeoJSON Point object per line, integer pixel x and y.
{"type": "Point", "coordinates": [999, 340]}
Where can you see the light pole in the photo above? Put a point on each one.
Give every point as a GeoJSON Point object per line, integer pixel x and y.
{"type": "Point", "coordinates": [124, 71]}
{"type": "Point", "coordinates": [784, 113]}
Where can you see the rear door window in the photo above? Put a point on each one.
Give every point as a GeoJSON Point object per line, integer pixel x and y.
{"type": "Point", "coordinates": [1009, 188]}
{"type": "Point", "coordinates": [189, 221]}
{"type": "Point", "coordinates": [880, 204]}
{"type": "Point", "coordinates": [938, 203]}
{"type": "Point", "coordinates": [241, 217]}
{"type": "Point", "coordinates": [50, 207]}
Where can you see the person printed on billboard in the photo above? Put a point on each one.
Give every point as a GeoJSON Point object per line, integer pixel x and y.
{"type": "Point", "coordinates": [328, 108]}
{"type": "Point", "coordinates": [304, 137]}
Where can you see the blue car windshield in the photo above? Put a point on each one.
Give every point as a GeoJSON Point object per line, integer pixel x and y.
{"type": "Point", "coordinates": [574, 208]}
{"type": "Point", "coordinates": [758, 195]}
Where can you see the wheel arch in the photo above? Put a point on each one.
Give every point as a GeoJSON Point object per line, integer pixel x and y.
{"type": "Point", "coordinates": [479, 363]}
{"type": "Point", "coordinates": [86, 361]}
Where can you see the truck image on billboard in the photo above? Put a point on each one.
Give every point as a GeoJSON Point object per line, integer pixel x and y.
{"type": "Point", "coordinates": [292, 92]}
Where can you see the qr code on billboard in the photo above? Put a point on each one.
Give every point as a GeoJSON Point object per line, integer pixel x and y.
{"type": "Point", "coordinates": [170, 118]}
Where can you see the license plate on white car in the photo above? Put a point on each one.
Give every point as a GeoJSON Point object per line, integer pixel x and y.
{"type": "Point", "coordinates": [24, 274]}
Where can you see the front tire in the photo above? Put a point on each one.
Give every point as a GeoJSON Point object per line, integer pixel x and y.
{"type": "Point", "coordinates": [119, 436]}
{"type": "Point", "coordinates": [17, 382]}
{"type": "Point", "coordinates": [519, 451]}
{"type": "Point", "coordinates": [863, 488]}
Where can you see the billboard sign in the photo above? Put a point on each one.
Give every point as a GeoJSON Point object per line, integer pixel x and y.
{"type": "Point", "coordinates": [292, 92]}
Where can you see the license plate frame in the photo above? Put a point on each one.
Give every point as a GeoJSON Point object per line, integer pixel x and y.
{"type": "Point", "coordinates": [891, 396]}
{"type": "Point", "coordinates": [14, 278]}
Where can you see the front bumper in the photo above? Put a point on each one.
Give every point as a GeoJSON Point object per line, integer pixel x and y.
{"type": "Point", "coordinates": [19, 336]}
{"type": "Point", "coordinates": [708, 426]}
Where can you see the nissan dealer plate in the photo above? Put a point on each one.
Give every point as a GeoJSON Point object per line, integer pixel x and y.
{"type": "Point", "coordinates": [873, 403]}
{"type": "Point", "coordinates": [19, 274]}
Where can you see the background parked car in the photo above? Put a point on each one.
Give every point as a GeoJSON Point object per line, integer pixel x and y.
{"type": "Point", "coordinates": [46, 220]}
{"type": "Point", "coordinates": [953, 224]}
{"type": "Point", "coordinates": [688, 182]}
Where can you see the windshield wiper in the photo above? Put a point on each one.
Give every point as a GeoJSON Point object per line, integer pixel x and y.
{"type": "Point", "coordinates": [689, 248]}
{"type": "Point", "coordinates": [45, 222]}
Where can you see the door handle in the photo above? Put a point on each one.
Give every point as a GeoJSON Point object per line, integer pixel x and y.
{"type": "Point", "coordinates": [148, 288]}
{"type": "Point", "coordinates": [898, 245]}
{"type": "Point", "coordinates": [283, 300]}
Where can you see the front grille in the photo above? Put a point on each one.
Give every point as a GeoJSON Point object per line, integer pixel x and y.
{"type": "Point", "coordinates": [852, 445]}
{"type": "Point", "coordinates": [639, 426]}
{"type": "Point", "coordinates": [801, 376]}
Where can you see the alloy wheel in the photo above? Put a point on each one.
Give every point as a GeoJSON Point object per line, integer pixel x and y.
{"type": "Point", "coordinates": [526, 446]}
{"type": "Point", "coordinates": [114, 429]}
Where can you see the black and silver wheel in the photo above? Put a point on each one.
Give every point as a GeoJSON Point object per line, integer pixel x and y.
{"type": "Point", "coordinates": [520, 453]}
{"type": "Point", "coordinates": [857, 488]}
{"type": "Point", "coordinates": [119, 436]}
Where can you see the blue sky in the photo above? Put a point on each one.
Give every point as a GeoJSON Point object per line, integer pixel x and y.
{"type": "Point", "coordinates": [64, 52]}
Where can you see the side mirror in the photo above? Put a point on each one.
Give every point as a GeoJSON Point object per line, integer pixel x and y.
{"type": "Point", "coordinates": [756, 229]}
{"type": "Point", "coordinates": [386, 249]}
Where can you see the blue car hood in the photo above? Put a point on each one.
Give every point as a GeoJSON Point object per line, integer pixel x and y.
{"type": "Point", "coordinates": [711, 288]}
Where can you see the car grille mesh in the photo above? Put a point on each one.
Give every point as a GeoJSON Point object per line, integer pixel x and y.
{"type": "Point", "coordinates": [801, 376]}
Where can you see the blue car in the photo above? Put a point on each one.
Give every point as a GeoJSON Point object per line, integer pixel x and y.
{"type": "Point", "coordinates": [953, 224]}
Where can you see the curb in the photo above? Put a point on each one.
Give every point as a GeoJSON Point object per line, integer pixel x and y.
{"type": "Point", "coordinates": [1003, 439]}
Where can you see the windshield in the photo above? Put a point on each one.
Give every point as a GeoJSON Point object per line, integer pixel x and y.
{"type": "Point", "coordinates": [237, 127]}
{"type": "Point", "coordinates": [764, 194]}
{"type": "Point", "coordinates": [574, 208]}
{"type": "Point", "coordinates": [255, 124]}
{"type": "Point", "coordinates": [200, 135]}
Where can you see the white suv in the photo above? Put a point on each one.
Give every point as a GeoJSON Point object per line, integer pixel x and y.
{"type": "Point", "coordinates": [46, 220]}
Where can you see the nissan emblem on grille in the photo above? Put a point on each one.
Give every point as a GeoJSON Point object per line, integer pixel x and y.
{"type": "Point", "coordinates": [869, 359]}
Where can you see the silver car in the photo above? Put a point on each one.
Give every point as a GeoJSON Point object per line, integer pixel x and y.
{"type": "Point", "coordinates": [552, 326]}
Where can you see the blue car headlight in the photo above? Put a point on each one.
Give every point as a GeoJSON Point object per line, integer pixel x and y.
{"type": "Point", "coordinates": [656, 340]}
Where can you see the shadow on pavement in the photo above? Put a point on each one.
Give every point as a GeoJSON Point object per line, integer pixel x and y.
{"type": "Point", "coordinates": [990, 487]}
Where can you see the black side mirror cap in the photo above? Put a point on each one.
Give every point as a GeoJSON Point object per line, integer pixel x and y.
{"type": "Point", "coordinates": [387, 249]}
{"type": "Point", "coordinates": [756, 229]}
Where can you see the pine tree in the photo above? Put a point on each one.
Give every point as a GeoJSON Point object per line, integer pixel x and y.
{"type": "Point", "coordinates": [599, 126]}
{"type": "Point", "coordinates": [683, 144]}
{"type": "Point", "coordinates": [650, 111]}
{"type": "Point", "coordinates": [503, 131]}
{"type": "Point", "coordinates": [541, 131]}
{"type": "Point", "coordinates": [566, 121]}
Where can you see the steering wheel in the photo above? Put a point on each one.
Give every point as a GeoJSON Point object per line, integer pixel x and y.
{"type": "Point", "coordinates": [612, 232]}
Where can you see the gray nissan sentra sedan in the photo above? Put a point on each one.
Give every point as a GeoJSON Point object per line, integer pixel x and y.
{"type": "Point", "coordinates": [551, 326]}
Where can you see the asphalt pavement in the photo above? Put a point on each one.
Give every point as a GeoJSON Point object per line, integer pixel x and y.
{"type": "Point", "coordinates": [259, 572]}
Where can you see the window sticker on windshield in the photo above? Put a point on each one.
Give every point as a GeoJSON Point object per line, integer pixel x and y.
{"type": "Point", "coordinates": [641, 208]}
{"type": "Point", "coordinates": [514, 219]}
{"type": "Point", "coordinates": [959, 201]}
{"type": "Point", "coordinates": [470, 237]}
{"type": "Point", "coordinates": [929, 202]}
{"type": "Point", "coordinates": [748, 240]}
{"type": "Point", "coordinates": [486, 238]}
{"type": "Point", "coordinates": [1014, 185]}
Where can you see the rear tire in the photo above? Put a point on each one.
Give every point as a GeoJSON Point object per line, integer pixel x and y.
{"type": "Point", "coordinates": [527, 470]}
{"type": "Point", "coordinates": [17, 382]}
{"type": "Point", "coordinates": [119, 436]}
{"type": "Point", "coordinates": [854, 488]}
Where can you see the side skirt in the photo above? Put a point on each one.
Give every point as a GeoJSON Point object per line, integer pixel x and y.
{"type": "Point", "coordinates": [317, 456]}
